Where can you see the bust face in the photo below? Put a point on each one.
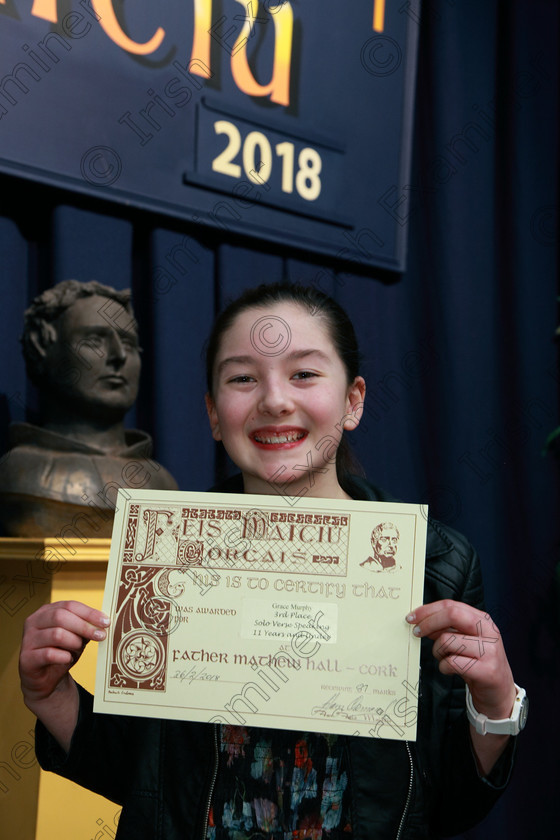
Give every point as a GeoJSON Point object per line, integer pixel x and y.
{"type": "Point", "coordinates": [386, 545]}
{"type": "Point", "coordinates": [94, 363]}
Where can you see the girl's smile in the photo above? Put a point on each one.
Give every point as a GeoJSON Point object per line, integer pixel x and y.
{"type": "Point", "coordinates": [281, 417]}
{"type": "Point", "coordinates": [278, 437]}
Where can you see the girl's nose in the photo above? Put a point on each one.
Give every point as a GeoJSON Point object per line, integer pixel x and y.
{"type": "Point", "coordinates": [275, 399]}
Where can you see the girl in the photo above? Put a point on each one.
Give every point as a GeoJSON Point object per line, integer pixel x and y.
{"type": "Point", "coordinates": [283, 387]}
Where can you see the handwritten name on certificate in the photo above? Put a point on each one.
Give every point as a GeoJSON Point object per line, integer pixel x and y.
{"type": "Point", "coordinates": [264, 611]}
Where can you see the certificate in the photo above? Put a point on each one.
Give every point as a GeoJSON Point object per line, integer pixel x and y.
{"type": "Point", "coordinates": [264, 611]}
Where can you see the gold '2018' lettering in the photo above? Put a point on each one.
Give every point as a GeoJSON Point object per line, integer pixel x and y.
{"type": "Point", "coordinates": [307, 180]}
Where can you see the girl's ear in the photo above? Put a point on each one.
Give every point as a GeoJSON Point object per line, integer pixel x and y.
{"type": "Point", "coordinates": [213, 417]}
{"type": "Point", "coordinates": [354, 403]}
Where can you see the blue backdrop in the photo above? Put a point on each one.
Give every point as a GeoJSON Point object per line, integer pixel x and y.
{"type": "Point", "coordinates": [459, 352]}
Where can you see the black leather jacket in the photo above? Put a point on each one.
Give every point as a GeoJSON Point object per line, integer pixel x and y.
{"type": "Point", "coordinates": [161, 772]}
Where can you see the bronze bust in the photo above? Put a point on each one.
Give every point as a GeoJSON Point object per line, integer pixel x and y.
{"type": "Point", "coordinates": [80, 344]}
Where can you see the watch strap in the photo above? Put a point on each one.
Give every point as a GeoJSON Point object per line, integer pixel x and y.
{"type": "Point", "coordinates": [506, 726]}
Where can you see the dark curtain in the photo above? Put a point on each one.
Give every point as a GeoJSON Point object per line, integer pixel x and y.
{"type": "Point", "coordinates": [459, 352]}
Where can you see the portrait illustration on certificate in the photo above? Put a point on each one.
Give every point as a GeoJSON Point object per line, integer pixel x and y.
{"type": "Point", "coordinates": [264, 611]}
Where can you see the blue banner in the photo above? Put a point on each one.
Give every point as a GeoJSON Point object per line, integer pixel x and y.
{"type": "Point", "coordinates": [288, 122]}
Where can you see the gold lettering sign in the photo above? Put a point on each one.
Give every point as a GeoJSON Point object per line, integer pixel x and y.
{"type": "Point", "coordinates": [281, 13]}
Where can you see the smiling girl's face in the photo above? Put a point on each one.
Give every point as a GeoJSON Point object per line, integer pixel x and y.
{"type": "Point", "coordinates": [280, 413]}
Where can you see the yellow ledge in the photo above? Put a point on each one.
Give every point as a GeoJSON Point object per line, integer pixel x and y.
{"type": "Point", "coordinates": [55, 550]}
{"type": "Point", "coordinates": [34, 572]}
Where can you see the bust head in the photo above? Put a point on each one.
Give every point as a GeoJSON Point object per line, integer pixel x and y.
{"type": "Point", "coordinates": [385, 543]}
{"type": "Point", "coordinates": [80, 344]}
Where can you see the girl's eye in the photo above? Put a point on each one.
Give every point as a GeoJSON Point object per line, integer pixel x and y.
{"type": "Point", "coordinates": [304, 374]}
{"type": "Point", "coordinates": [242, 378]}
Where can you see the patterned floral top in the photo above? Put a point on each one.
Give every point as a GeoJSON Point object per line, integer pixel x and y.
{"type": "Point", "coordinates": [275, 785]}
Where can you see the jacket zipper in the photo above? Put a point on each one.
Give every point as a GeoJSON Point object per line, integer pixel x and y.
{"type": "Point", "coordinates": [409, 795]}
{"type": "Point", "coordinates": [212, 784]}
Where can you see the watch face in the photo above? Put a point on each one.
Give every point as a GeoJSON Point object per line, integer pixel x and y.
{"type": "Point", "coordinates": [523, 712]}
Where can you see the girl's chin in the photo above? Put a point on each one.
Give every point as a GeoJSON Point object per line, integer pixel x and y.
{"type": "Point", "coordinates": [284, 482]}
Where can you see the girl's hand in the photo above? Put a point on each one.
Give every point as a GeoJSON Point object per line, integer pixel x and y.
{"type": "Point", "coordinates": [468, 643]}
{"type": "Point", "coordinates": [54, 638]}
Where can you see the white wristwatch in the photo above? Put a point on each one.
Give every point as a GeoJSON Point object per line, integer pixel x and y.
{"type": "Point", "coordinates": [508, 726]}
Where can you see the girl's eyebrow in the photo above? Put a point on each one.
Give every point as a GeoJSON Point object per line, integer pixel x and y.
{"type": "Point", "coordinates": [302, 354]}
{"type": "Point", "coordinates": [232, 360]}
{"type": "Point", "coordinates": [295, 355]}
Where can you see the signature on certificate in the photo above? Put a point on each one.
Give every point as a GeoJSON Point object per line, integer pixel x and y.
{"type": "Point", "coordinates": [353, 710]}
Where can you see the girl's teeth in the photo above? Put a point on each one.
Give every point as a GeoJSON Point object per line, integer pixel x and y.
{"type": "Point", "coordinates": [288, 437]}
